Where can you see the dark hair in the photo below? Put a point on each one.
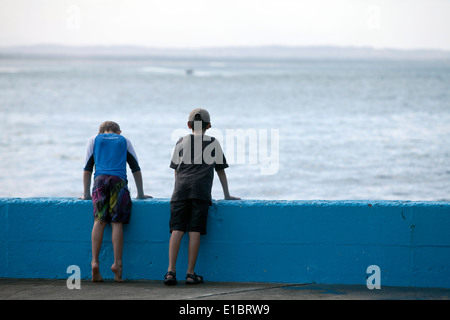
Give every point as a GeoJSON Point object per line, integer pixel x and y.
{"type": "Point", "coordinates": [110, 126]}
{"type": "Point", "coordinates": [198, 118]}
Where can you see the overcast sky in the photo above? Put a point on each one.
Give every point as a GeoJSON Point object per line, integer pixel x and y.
{"type": "Point", "coordinates": [405, 24]}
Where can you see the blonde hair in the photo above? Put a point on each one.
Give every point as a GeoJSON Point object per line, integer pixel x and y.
{"type": "Point", "coordinates": [110, 126]}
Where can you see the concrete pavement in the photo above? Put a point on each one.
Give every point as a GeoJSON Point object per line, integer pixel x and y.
{"type": "Point", "coordinates": [42, 289]}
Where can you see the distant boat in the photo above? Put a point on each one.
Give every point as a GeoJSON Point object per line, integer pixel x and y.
{"type": "Point", "coordinates": [189, 72]}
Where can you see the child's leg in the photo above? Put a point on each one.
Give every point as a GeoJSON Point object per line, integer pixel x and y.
{"type": "Point", "coordinates": [117, 241]}
{"type": "Point", "coordinates": [197, 227]}
{"type": "Point", "coordinates": [194, 245]}
{"type": "Point", "coordinates": [97, 238]}
{"type": "Point", "coordinates": [174, 248]}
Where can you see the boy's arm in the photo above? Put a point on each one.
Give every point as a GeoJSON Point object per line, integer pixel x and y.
{"type": "Point", "coordinates": [136, 170]}
{"type": "Point", "coordinates": [88, 169]}
{"type": "Point", "coordinates": [87, 185]}
{"type": "Point", "coordinates": [137, 175]}
{"type": "Point", "coordinates": [224, 182]}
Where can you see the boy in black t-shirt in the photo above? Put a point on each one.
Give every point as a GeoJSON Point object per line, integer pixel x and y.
{"type": "Point", "coordinates": [195, 159]}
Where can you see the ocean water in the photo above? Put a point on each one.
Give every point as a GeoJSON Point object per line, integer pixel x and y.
{"type": "Point", "coordinates": [336, 129]}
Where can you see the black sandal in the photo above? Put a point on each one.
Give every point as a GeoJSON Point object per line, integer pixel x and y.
{"type": "Point", "coordinates": [196, 279]}
{"type": "Point", "coordinates": [172, 281]}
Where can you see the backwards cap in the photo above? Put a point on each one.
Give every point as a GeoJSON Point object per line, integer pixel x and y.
{"type": "Point", "coordinates": [204, 115]}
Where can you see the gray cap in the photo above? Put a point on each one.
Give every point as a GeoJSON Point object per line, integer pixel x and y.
{"type": "Point", "coordinates": [202, 112]}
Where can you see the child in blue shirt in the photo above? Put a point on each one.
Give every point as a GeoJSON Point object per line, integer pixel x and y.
{"type": "Point", "coordinates": [109, 152]}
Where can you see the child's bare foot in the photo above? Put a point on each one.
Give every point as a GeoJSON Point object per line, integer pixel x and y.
{"type": "Point", "coordinates": [117, 269]}
{"type": "Point", "coordinates": [96, 276]}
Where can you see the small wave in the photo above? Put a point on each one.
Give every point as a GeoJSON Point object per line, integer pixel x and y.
{"type": "Point", "coordinates": [9, 70]}
{"type": "Point", "coordinates": [207, 74]}
{"type": "Point", "coordinates": [162, 70]}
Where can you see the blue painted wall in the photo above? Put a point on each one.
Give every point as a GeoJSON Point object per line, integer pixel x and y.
{"type": "Point", "coordinates": [270, 241]}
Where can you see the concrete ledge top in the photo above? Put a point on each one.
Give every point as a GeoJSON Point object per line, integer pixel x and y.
{"type": "Point", "coordinates": [252, 202]}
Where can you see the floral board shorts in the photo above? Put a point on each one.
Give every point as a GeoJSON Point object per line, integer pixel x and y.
{"type": "Point", "coordinates": [111, 199]}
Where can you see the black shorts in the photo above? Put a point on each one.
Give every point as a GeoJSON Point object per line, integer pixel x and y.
{"type": "Point", "coordinates": [189, 215]}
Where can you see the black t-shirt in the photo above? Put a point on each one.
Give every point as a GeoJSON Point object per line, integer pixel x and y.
{"type": "Point", "coordinates": [195, 158]}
